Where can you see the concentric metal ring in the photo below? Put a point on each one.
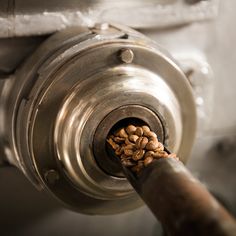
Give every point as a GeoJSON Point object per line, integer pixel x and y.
{"type": "Point", "coordinates": [63, 97]}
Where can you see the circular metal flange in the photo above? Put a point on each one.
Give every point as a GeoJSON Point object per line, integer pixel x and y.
{"type": "Point", "coordinates": [87, 105]}
{"type": "Point", "coordinates": [76, 88]}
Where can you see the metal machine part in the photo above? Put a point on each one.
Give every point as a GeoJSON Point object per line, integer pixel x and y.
{"type": "Point", "coordinates": [59, 107]}
{"type": "Point", "coordinates": [175, 197]}
{"type": "Point", "coordinates": [185, 204]}
{"type": "Point", "coordinates": [57, 15]}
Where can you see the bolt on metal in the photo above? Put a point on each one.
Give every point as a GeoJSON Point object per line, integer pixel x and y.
{"type": "Point", "coordinates": [126, 55]}
{"type": "Point", "coordinates": [101, 26]}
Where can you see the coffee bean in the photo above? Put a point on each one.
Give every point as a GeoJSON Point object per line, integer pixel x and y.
{"type": "Point", "coordinates": [138, 154]}
{"type": "Point", "coordinates": [130, 146]}
{"type": "Point", "coordinates": [119, 151]}
{"type": "Point", "coordinates": [146, 129]}
{"type": "Point", "coordinates": [119, 139]}
{"type": "Point", "coordinates": [160, 147]}
{"type": "Point", "coordinates": [139, 131]}
{"type": "Point", "coordinates": [128, 163]}
{"type": "Point", "coordinates": [112, 143]}
{"type": "Point", "coordinates": [160, 154]}
{"type": "Point", "coordinates": [141, 142]}
{"type": "Point", "coordinates": [150, 135]}
{"type": "Point", "coordinates": [128, 152]}
{"type": "Point", "coordinates": [149, 153]}
{"type": "Point", "coordinates": [148, 160]}
{"type": "Point", "coordinates": [122, 133]}
{"type": "Point", "coordinates": [127, 142]}
{"type": "Point", "coordinates": [152, 145]}
{"type": "Point", "coordinates": [130, 129]}
{"type": "Point", "coordinates": [133, 138]}
{"type": "Point", "coordinates": [154, 139]}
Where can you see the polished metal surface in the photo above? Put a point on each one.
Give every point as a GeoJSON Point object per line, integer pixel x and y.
{"type": "Point", "coordinates": [19, 17]}
{"type": "Point", "coordinates": [20, 48]}
{"type": "Point", "coordinates": [56, 104]}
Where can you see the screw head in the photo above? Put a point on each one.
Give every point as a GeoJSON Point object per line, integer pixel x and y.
{"type": "Point", "coordinates": [101, 26]}
{"type": "Point", "coordinates": [126, 55]}
{"type": "Point", "coordinates": [51, 176]}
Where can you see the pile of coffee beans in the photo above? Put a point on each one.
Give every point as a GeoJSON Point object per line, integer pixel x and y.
{"type": "Point", "coordinates": [137, 147]}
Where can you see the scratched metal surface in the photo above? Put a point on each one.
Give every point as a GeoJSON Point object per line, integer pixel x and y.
{"type": "Point", "coordinates": [44, 17]}
{"type": "Point", "coordinates": [24, 211]}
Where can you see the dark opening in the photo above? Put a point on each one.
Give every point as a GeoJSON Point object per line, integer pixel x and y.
{"type": "Point", "coordinates": [125, 122]}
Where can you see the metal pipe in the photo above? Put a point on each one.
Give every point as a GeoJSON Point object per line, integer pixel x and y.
{"type": "Point", "coordinates": [180, 202]}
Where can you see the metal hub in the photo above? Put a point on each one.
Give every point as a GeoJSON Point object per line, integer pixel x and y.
{"type": "Point", "coordinates": [130, 114]}
{"type": "Point", "coordinates": [77, 87]}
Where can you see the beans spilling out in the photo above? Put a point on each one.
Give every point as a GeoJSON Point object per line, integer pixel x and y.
{"type": "Point", "coordinates": [137, 147]}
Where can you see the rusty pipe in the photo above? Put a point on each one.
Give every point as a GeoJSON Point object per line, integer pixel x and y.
{"type": "Point", "coordinates": [180, 202]}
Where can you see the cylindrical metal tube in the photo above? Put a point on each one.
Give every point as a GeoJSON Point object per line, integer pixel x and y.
{"type": "Point", "coordinates": [181, 203]}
